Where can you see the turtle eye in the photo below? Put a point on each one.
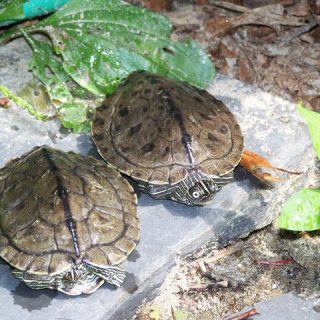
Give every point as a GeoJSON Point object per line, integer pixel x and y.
{"type": "Point", "coordinates": [196, 194]}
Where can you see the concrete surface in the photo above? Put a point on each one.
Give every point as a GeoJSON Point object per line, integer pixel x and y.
{"type": "Point", "coordinates": [269, 126]}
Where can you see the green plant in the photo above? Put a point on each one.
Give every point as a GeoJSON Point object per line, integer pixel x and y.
{"type": "Point", "coordinates": [301, 212]}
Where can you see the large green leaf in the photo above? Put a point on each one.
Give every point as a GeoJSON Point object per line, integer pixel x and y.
{"type": "Point", "coordinates": [101, 42]}
{"type": "Point", "coordinates": [313, 121]}
{"type": "Point", "coordinates": [73, 104]}
{"type": "Point", "coordinates": [301, 212]}
{"type": "Point", "coordinates": [98, 43]}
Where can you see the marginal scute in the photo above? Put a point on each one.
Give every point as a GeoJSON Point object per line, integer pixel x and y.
{"type": "Point", "coordinates": [115, 256]}
{"type": "Point", "coordinates": [60, 262]}
{"type": "Point", "coordinates": [23, 260]}
{"type": "Point", "coordinates": [97, 257]}
{"type": "Point", "coordinates": [153, 123]}
{"type": "Point", "coordinates": [65, 209]}
{"type": "Point", "coordinates": [40, 265]}
{"type": "Point", "coordinates": [8, 253]}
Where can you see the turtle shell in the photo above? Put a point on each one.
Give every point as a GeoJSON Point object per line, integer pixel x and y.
{"type": "Point", "coordinates": [57, 208]}
{"type": "Point", "coordinates": [156, 130]}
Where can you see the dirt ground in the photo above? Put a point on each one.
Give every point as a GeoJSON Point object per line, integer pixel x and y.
{"type": "Point", "coordinates": [212, 284]}
{"type": "Point", "coordinates": [259, 42]}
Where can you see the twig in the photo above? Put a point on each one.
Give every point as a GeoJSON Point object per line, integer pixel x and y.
{"type": "Point", "coordinates": [208, 285]}
{"type": "Point", "coordinates": [238, 246]}
{"type": "Point", "coordinates": [269, 15]}
{"type": "Point", "coordinates": [244, 315]}
{"type": "Point", "coordinates": [282, 262]}
{"type": "Point", "coordinates": [297, 32]}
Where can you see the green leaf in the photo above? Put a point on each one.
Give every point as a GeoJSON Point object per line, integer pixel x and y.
{"type": "Point", "coordinates": [73, 103]}
{"type": "Point", "coordinates": [155, 312]}
{"type": "Point", "coordinates": [301, 212]}
{"type": "Point", "coordinates": [101, 42]}
{"type": "Point", "coordinates": [95, 44]}
{"type": "Point", "coordinates": [313, 121]}
{"type": "Point", "coordinates": [180, 315]}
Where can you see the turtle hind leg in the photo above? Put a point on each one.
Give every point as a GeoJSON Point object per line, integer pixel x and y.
{"type": "Point", "coordinates": [34, 281]}
{"type": "Point", "coordinates": [111, 274]}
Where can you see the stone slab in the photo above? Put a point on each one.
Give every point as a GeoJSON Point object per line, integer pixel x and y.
{"type": "Point", "coordinates": [286, 307]}
{"type": "Point", "coordinates": [270, 127]}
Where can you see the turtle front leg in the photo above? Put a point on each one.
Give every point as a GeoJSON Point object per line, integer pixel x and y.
{"type": "Point", "coordinates": [112, 274]}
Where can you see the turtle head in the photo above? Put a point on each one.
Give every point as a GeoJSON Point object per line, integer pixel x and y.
{"type": "Point", "coordinates": [202, 192]}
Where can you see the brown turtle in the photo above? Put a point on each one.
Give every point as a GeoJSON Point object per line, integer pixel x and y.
{"type": "Point", "coordinates": [176, 141]}
{"type": "Point", "coordinates": [66, 221]}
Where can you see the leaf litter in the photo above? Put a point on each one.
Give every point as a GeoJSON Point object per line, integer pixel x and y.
{"type": "Point", "coordinates": [261, 45]}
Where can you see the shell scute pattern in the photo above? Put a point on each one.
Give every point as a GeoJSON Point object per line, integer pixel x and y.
{"type": "Point", "coordinates": [35, 234]}
{"type": "Point", "coordinates": [157, 130]}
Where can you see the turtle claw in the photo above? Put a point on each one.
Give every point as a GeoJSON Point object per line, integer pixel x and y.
{"type": "Point", "coordinates": [254, 163]}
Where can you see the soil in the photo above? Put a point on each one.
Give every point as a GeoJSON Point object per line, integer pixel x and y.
{"type": "Point", "coordinates": [257, 42]}
{"type": "Point", "coordinates": [271, 263]}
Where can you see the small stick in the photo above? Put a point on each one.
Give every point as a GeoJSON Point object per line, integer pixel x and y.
{"type": "Point", "coordinates": [244, 315]}
{"type": "Point", "coordinates": [282, 262]}
{"type": "Point", "coordinates": [238, 246]}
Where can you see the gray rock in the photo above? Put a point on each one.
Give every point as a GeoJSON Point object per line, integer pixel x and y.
{"type": "Point", "coordinates": [270, 127]}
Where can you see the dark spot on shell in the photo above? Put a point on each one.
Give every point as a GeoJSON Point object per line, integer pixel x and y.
{"type": "Point", "coordinates": [213, 139]}
{"type": "Point", "coordinates": [237, 127]}
{"type": "Point", "coordinates": [104, 150]}
{"type": "Point", "coordinates": [148, 147]}
{"type": "Point", "coordinates": [98, 137]}
{"type": "Point", "coordinates": [135, 93]}
{"type": "Point", "coordinates": [204, 116]}
{"type": "Point", "coordinates": [178, 117]}
{"type": "Point", "coordinates": [224, 129]}
{"type": "Point", "coordinates": [166, 151]}
{"type": "Point", "coordinates": [99, 122]}
{"type": "Point", "coordinates": [125, 149]}
{"type": "Point", "coordinates": [198, 99]}
{"type": "Point", "coordinates": [123, 112]}
{"type": "Point", "coordinates": [135, 129]}
{"type": "Point", "coordinates": [20, 206]}
{"type": "Point", "coordinates": [137, 174]}
{"type": "Point", "coordinates": [104, 106]}
{"type": "Point", "coordinates": [117, 128]}
{"type": "Point", "coordinates": [154, 80]}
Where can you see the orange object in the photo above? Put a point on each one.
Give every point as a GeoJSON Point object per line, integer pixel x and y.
{"type": "Point", "coordinates": [254, 163]}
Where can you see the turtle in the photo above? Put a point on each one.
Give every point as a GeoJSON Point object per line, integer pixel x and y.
{"type": "Point", "coordinates": [177, 141]}
{"type": "Point", "coordinates": [66, 221]}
